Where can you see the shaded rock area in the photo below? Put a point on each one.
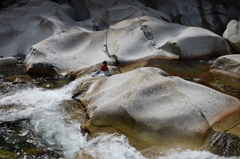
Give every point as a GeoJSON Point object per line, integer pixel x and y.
{"type": "Point", "coordinates": [80, 7]}
{"type": "Point", "coordinates": [228, 65]}
{"type": "Point", "coordinates": [6, 3]}
{"type": "Point", "coordinates": [212, 15]}
{"type": "Point", "coordinates": [151, 109]}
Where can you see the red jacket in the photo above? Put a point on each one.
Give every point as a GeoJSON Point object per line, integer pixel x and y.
{"type": "Point", "coordinates": [104, 68]}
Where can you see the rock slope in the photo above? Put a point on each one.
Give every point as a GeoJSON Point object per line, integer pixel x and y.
{"type": "Point", "coordinates": [152, 109]}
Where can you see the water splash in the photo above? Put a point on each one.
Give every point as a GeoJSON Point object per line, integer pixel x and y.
{"type": "Point", "coordinates": [50, 121]}
{"type": "Point", "coordinates": [47, 118]}
{"type": "Point", "coordinates": [109, 146]}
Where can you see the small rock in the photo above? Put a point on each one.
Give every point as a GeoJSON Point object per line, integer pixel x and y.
{"type": "Point", "coordinates": [19, 81]}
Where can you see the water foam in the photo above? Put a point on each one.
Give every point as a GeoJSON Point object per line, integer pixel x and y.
{"type": "Point", "coordinates": [49, 121]}
{"type": "Point", "coordinates": [109, 146]}
{"type": "Point", "coordinates": [46, 116]}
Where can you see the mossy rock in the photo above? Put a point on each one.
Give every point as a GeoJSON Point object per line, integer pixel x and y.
{"type": "Point", "coordinates": [7, 154]}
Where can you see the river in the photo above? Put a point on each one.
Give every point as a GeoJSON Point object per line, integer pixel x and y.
{"type": "Point", "coordinates": [34, 123]}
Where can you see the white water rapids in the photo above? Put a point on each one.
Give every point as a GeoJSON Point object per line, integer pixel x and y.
{"type": "Point", "coordinates": [51, 122]}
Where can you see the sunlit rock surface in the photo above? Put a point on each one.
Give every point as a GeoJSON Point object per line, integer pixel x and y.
{"type": "Point", "coordinates": [147, 37]}
{"type": "Point", "coordinates": [151, 109]}
{"type": "Point", "coordinates": [228, 65]}
{"type": "Point", "coordinates": [130, 40]}
{"type": "Point", "coordinates": [232, 34]}
{"type": "Point", "coordinates": [129, 30]}
{"type": "Point", "coordinates": [65, 52]}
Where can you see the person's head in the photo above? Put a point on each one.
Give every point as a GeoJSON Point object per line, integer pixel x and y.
{"type": "Point", "coordinates": [105, 62]}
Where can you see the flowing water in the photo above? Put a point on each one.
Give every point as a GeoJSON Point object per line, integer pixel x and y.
{"type": "Point", "coordinates": [35, 122]}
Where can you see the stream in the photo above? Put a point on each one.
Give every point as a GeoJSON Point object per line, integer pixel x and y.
{"type": "Point", "coordinates": [36, 119]}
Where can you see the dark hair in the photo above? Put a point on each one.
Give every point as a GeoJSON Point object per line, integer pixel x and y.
{"type": "Point", "coordinates": [104, 62]}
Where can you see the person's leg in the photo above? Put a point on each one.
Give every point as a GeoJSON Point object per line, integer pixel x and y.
{"type": "Point", "coordinates": [98, 72]}
{"type": "Point", "coordinates": [106, 73]}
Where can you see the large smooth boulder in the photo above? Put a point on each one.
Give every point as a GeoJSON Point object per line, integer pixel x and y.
{"type": "Point", "coordinates": [130, 40]}
{"type": "Point", "coordinates": [65, 52]}
{"type": "Point", "coordinates": [152, 109]}
{"type": "Point", "coordinates": [228, 65]}
{"type": "Point", "coordinates": [232, 34]}
{"type": "Point", "coordinates": [146, 37]}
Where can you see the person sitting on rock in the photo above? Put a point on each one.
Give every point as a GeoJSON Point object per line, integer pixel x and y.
{"type": "Point", "coordinates": [103, 69]}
